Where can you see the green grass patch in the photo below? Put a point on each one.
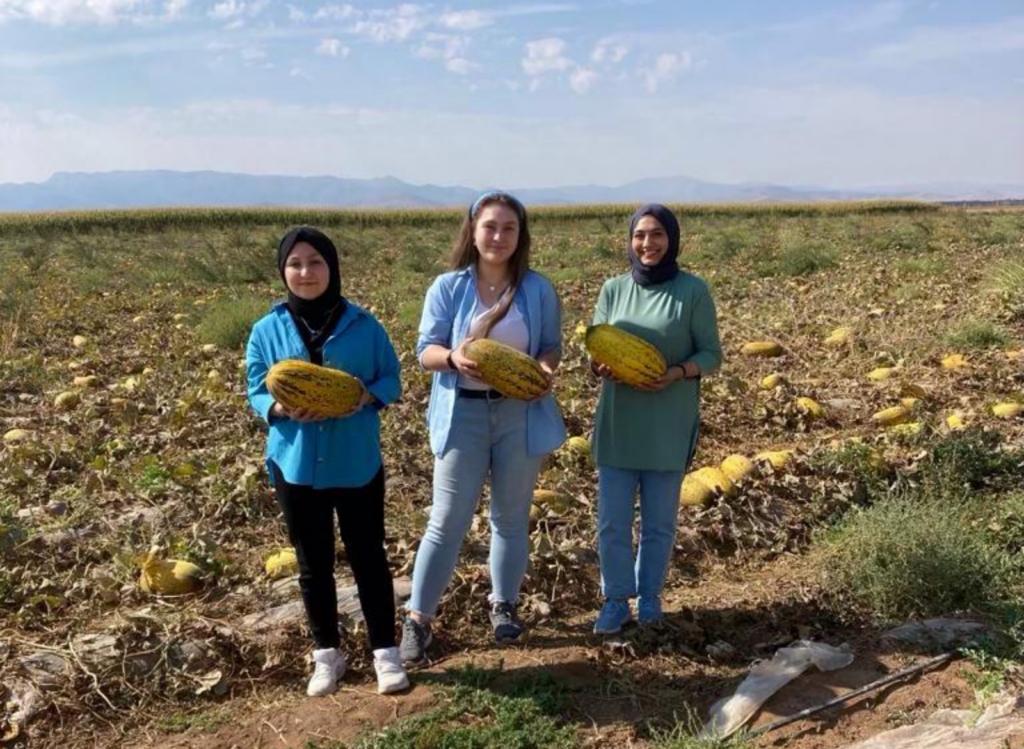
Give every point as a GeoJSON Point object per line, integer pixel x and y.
{"type": "Point", "coordinates": [472, 716]}
{"type": "Point", "coordinates": [799, 259]}
{"type": "Point", "coordinates": [227, 322]}
{"type": "Point", "coordinates": [977, 334]}
{"type": "Point", "coordinates": [685, 734]}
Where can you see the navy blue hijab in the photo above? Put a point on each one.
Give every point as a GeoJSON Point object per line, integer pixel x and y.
{"type": "Point", "coordinates": [667, 268]}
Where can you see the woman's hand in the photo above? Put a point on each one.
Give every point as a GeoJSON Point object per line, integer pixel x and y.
{"type": "Point", "coordinates": [686, 370]}
{"type": "Point", "coordinates": [296, 414]}
{"type": "Point", "coordinates": [464, 365]}
{"type": "Point", "coordinates": [549, 375]}
{"type": "Point", "coordinates": [603, 371]}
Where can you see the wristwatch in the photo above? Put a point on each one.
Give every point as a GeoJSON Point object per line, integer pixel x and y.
{"type": "Point", "coordinates": [448, 359]}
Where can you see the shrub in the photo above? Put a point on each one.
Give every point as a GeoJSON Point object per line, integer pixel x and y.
{"type": "Point", "coordinates": [227, 322]}
{"type": "Point", "coordinates": [913, 556]}
{"type": "Point", "coordinates": [977, 334]}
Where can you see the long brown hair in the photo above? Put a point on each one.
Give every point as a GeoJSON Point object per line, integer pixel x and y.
{"type": "Point", "coordinates": [465, 254]}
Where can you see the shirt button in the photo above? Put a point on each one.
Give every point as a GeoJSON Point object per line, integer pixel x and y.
{"type": "Point", "coordinates": [321, 429]}
{"type": "Point", "coordinates": [319, 460]}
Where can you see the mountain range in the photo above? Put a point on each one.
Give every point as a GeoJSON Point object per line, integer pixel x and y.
{"type": "Point", "coordinates": [163, 188]}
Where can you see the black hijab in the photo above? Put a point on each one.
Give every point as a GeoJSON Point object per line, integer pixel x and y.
{"type": "Point", "coordinates": [315, 318]}
{"type": "Point", "coordinates": [667, 268]}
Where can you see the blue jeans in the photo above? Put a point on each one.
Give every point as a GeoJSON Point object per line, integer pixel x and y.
{"type": "Point", "coordinates": [621, 577]}
{"type": "Point", "coordinates": [487, 436]}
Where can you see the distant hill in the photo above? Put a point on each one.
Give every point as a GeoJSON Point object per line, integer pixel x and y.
{"type": "Point", "coordinates": [160, 188]}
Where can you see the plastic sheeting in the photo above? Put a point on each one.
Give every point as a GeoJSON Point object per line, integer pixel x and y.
{"type": "Point", "coordinates": [958, 729]}
{"type": "Point", "coordinates": [768, 677]}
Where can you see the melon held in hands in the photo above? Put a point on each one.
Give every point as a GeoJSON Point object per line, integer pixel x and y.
{"type": "Point", "coordinates": [321, 390]}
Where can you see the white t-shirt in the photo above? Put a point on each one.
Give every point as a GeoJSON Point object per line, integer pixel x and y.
{"type": "Point", "coordinates": [510, 330]}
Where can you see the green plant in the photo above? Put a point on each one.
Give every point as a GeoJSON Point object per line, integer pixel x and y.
{"type": "Point", "coordinates": [967, 458]}
{"type": "Point", "coordinates": [911, 555]}
{"type": "Point", "coordinates": [685, 734]}
{"type": "Point", "coordinates": [977, 334]}
{"type": "Point", "coordinates": [472, 716]}
{"type": "Point", "coordinates": [227, 322]}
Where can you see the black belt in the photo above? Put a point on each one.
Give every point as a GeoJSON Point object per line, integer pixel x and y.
{"type": "Point", "coordinates": [490, 395]}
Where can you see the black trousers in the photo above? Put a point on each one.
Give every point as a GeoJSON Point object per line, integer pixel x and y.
{"type": "Point", "coordinates": [309, 515]}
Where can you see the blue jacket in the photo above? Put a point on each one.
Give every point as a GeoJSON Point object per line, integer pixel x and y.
{"type": "Point", "coordinates": [335, 452]}
{"type": "Point", "coordinates": [447, 313]}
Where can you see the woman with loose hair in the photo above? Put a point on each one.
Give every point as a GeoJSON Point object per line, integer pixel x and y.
{"type": "Point", "coordinates": [645, 437]}
{"type": "Point", "coordinates": [474, 430]}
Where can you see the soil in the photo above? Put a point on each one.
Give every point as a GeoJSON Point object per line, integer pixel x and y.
{"type": "Point", "coordinates": [621, 689]}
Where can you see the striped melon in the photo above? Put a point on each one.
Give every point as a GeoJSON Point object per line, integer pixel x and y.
{"type": "Point", "coordinates": [321, 390]}
{"type": "Point", "coordinates": [762, 348]}
{"type": "Point", "coordinates": [512, 373]}
{"type": "Point", "coordinates": [631, 359]}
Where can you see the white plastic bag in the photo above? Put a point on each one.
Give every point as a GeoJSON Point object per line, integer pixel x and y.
{"type": "Point", "coordinates": [768, 677]}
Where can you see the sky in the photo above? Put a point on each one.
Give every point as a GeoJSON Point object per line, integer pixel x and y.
{"type": "Point", "coordinates": [794, 92]}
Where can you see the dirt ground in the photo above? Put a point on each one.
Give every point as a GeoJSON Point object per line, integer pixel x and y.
{"type": "Point", "coordinates": [618, 688]}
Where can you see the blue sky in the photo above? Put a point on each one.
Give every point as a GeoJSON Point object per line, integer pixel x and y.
{"type": "Point", "coordinates": [842, 94]}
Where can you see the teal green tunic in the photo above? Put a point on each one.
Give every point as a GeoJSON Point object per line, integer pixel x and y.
{"type": "Point", "coordinates": [656, 431]}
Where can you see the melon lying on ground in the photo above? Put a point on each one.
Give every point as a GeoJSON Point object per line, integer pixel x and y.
{"type": "Point", "coordinates": [694, 492]}
{"type": "Point", "coordinates": [880, 373]}
{"type": "Point", "coordinates": [512, 373]}
{"type": "Point", "coordinates": [1007, 410]}
{"type": "Point", "coordinates": [282, 564]}
{"type": "Point", "coordinates": [838, 337]}
{"type": "Point", "coordinates": [631, 359]}
{"type": "Point", "coordinates": [320, 390]}
{"type": "Point", "coordinates": [173, 577]}
{"type": "Point", "coordinates": [891, 416]}
{"type": "Point", "coordinates": [810, 407]}
{"type": "Point", "coordinates": [552, 500]}
{"type": "Point", "coordinates": [777, 459]}
{"type": "Point", "coordinates": [762, 348]}
{"type": "Point", "coordinates": [737, 467]}
{"type": "Point", "coordinates": [772, 381]}
{"type": "Point", "coordinates": [954, 361]}
{"type": "Point", "coordinates": [715, 480]}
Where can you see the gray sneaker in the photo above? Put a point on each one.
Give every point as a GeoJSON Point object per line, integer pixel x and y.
{"type": "Point", "coordinates": [416, 638]}
{"type": "Point", "coordinates": [504, 622]}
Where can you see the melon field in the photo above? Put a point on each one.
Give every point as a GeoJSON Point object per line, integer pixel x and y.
{"type": "Point", "coordinates": [873, 378]}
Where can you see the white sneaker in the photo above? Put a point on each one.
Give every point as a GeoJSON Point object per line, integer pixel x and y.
{"type": "Point", "coordinates": [391, 676]}
{"type": "Point", "coordinates": [329, 668]}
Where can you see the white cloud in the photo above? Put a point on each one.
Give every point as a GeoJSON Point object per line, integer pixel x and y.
{"type": "Point", "coordinates": [334, 12]}
{"type": "Point", "coordinates": [393, 25]}
{"type": "Point", "coordinates": [545, 55]}
{"type": "Point", "coordinates": [448, 48]}
{"type": "Point", "coordinates": [582, 79]}
{"type": "Point", "coordinates": [609, 51]}
{"type": "Point", "coordinates": [254, 54]}
{"type": "Point", "coordinates": [332, 48]}
{"type": "Point", "coordinates": [666, 67]}
{"type": "Point", "coordinates": [106, 12]}
{"type": "Point", "coordinates": [466, 20]}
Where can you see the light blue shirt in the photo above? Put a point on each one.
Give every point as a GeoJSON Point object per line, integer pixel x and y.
{"type": "Point", "coordinates": [335, 452]}
{"type": "Point", "coordinates": [447, 313]}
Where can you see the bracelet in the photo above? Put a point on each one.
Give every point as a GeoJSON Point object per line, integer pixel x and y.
{"type": "Point", "coordinates": [448, 359]}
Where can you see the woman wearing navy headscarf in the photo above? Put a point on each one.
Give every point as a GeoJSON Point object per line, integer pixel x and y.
{"type": "Point", "coordinates": [645, 438]}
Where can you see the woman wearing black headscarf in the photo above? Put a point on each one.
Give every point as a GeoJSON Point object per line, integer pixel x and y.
{"type": "Point", "coordinates": [321, 468]}
{"type": "Point", "coordinates": [645, 437]}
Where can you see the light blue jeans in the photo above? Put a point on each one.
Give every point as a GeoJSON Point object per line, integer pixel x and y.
{"type": "Point", "coordinates": [621, 577]}
{"type": "Point", "coordinates": [486, 437]}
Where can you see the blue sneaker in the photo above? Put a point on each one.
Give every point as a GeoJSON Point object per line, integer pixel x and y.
{"type": "Point", "coordinates": [648, 610]}
{"type": "Point", "coordinates": [614, 615]}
